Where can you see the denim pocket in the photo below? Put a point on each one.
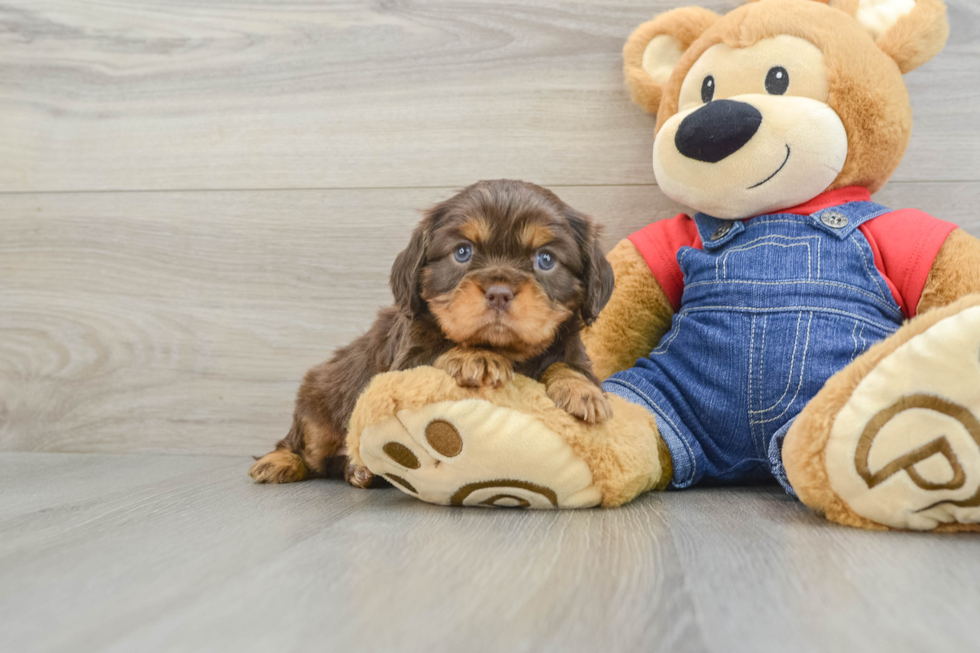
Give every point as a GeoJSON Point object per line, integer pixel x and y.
{"type": "Point", "coordinates": [778, 369]}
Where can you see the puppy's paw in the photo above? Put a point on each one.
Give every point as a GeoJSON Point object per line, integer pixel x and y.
{"type": "Point", "coordinates": [580, 398]}
{"type": "Point", "coordinates": [359, 476]}
{"type": "Point", "coordinates": [476, 368]}
{"type": "Point", "coordinates": [278, 467]}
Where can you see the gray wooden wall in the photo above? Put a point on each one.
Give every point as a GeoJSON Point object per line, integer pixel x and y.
{"type": "Point", "coordinates": [199, 200]}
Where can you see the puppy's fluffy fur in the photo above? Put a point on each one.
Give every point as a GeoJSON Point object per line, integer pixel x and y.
{"type": "Point", "coordinates": [496, 279]}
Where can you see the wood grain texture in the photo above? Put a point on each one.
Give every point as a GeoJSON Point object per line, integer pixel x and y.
{"type": "Point", "coordinates": [183, 322]}
{"type": "Point", "coordinates": [179, 94]}
{"type": "Point", "coordinates": [183, 553]}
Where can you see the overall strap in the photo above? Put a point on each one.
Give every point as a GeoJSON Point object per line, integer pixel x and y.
{"type": "Point", "coordinates": [841, 221]}
{"type": "Point", "coordinates": [716, 233]}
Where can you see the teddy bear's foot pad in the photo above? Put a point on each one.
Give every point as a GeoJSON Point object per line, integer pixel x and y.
{"type": "Point", "coordinates": [474, 453]}
{"type": "Point", "coordinates": [905, 449]}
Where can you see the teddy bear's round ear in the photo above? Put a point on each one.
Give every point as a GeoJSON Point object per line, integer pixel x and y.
{"type": "Point", "coordinates": [654, 48]}
{"type": "Point", "coordinates": [909, 31]}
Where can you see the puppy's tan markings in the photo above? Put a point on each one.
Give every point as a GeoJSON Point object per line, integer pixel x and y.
{"type": "Point", "coordinates": [280, 466]}
{"type": "Point", "coordinates": [536, 316]}
{"type": "Point", "coordinates": [536, 235]}
{"type": "Point", "coordinates": [575, 394]}
{"type": "Point", "coordinates": [461, 311]}
{"type": "Point", "coordinates": [319, 443]}
{"type": "Point", "coordinates": [476, 368]}
{"type": "Point", "coordinates": [475, 230]}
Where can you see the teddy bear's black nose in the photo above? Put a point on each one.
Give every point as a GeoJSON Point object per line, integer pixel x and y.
{"type": "Point", "coordinates": [716, 130]}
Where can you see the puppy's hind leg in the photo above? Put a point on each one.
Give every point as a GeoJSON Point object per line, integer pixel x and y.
{"type": "Point", "coordinates": [284, 464]}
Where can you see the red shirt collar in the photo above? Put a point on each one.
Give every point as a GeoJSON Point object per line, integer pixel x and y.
{"type": "Point", "coordinates": [828, 199]}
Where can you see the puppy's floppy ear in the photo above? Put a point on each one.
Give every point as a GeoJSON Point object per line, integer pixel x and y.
{"type": "Point", "coordinates": [597, 275]}
{"type": "Point", "coordinates": [654, 48]}
{"type": "Point", "coordinates": [406, 272]}
{"type": "Point", "coordinates": [909, 31]}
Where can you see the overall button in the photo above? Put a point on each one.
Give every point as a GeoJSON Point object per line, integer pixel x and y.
{"type": "Point", "coordinates": [721, 231]}
{"type": "Point", "coordinates": [833, 219]}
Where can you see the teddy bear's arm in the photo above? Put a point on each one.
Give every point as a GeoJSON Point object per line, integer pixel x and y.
{"type": "Point", "coordinates": [637, 316]}
{"type": "Point", "coordinates": [955, 272]}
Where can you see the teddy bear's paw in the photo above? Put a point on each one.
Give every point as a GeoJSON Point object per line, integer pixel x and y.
{"type": "Point", "coordinates": [474, 453]}
{"type": "Point", "coordinates": [905, 449]}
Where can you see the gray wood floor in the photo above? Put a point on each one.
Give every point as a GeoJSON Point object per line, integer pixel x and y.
{"type": "Point", "coordinates": [199, 200]}
{"type": "Point", "coordinates": [181, 553]}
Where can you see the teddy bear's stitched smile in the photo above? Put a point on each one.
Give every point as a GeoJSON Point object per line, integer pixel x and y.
{"type": "Point", "coordinates": [781, 166]}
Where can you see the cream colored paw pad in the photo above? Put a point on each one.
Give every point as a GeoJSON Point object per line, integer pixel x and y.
{"type": "Point", "coordinates": [474, 453]}
{"type": "Point", "coordinates": [905, 450]}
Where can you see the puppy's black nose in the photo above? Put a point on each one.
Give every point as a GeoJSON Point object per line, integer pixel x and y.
{"type": "Point", "coordinates": [498, 297]}
{"type": "Point", "coordinates": [716, 130]}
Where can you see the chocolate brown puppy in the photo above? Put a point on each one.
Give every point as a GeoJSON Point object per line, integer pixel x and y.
{"type": "Point", "coordinates": [495, 280]}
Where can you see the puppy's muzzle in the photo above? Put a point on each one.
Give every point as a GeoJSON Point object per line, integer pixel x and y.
{"type": "Point", "coordinates": [499, 297]}
{"type": "Point", "coordinates": [717, 130]}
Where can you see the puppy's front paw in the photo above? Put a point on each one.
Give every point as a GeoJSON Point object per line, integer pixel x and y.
{"type": "Point", "coordinates": [476, 368]}
{"type": "Point", "coordinates": [580, 398]}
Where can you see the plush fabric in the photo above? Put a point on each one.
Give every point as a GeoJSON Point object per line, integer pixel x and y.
{"type": "Point", "coordinates": [634, 320]}
{"type": "Point", "coordinates": [683, 26]}
{"type": "Point", "coordinates": [805, 449]}
{"type": "Point", "coordinates": [891, 436]}
{"type": "Point", "coordinates": [536, 442]}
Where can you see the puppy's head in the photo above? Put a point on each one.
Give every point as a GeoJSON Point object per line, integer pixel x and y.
{"type": "Point", "coordinates": [503, 264]}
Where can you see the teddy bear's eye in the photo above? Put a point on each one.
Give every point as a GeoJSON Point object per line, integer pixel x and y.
{"type": "Point", "coordinates": [707, 89]}
{"type": "Point", "coordinates": [777, 80]}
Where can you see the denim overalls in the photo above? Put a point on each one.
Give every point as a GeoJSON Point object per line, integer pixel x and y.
{"type": "Point", "coordinates": [772, 307]}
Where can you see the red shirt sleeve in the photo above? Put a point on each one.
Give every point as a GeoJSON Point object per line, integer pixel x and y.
{"type": "Point", "coordinates": [905, 244]}
{"type": "Point", "coordinates": [659, 243]}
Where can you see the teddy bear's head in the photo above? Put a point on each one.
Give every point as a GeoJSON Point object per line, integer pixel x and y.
{"type": "Point", "coordinates": [779, 100]}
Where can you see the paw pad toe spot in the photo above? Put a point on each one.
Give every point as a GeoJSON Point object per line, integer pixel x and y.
{"type": "Point", "coordinates": [401, 455]}
{"type": "Point", "coordinates": [398, 480]}
{"type": "Point", "coordinates": [444, 438]}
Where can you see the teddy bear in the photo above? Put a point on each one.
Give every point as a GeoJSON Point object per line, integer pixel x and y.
{"type": "Point", "coordinates": [788, 328]}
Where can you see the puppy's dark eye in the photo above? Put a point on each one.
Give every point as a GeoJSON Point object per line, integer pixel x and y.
{"type": "Point", "coordinates": [777, 80]}
{"type": "Point", "coordinates": [544, 261]}
{"type": "Point", "coordinates": [708, 89]}
{"type": "Point", "coordinates": [463, 253]}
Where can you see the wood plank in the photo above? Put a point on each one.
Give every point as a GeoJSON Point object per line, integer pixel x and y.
{"type": "Point", "coordinates": [183, 322]}
{"type": "Point", "coordinates": [173, 94]}
{"type": "Point", "coordinates": [194, 557]}
{"type": "Point", "coordinates": [769, 575]}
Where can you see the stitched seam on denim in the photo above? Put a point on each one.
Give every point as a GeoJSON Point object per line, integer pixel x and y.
{"type": "Point", "coordinates": [864, 343]}
{"type": "Point", "coordinates": [834, 284]}
{"type": "Point", "coordinates": [888, 328]}
{"type": "Point", "coordinates": [803, 223]}
{"type": "Point", "coordinates": [792, 364]}
{"type": "Point", "coordinates": [864, 259]}
{"type": "Point", "coordinates": [673, 336]}
{"type": "Point", "coordinates": [723, 259]}
{"type": "Point", "coordinates": [855, 340]}
{"type": "Point", "coordinates": [806, 348]}
{"type": "Point", "coordinates": [659, 411]}
{"type": "Point", "coordinates": [681, 255]}
{"type": "Point", "coordinates": [818, 257]}
{"type": "Point", "coordinates": [762, 355]}
{"type": "Point", "coordinates": [755, 440]}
